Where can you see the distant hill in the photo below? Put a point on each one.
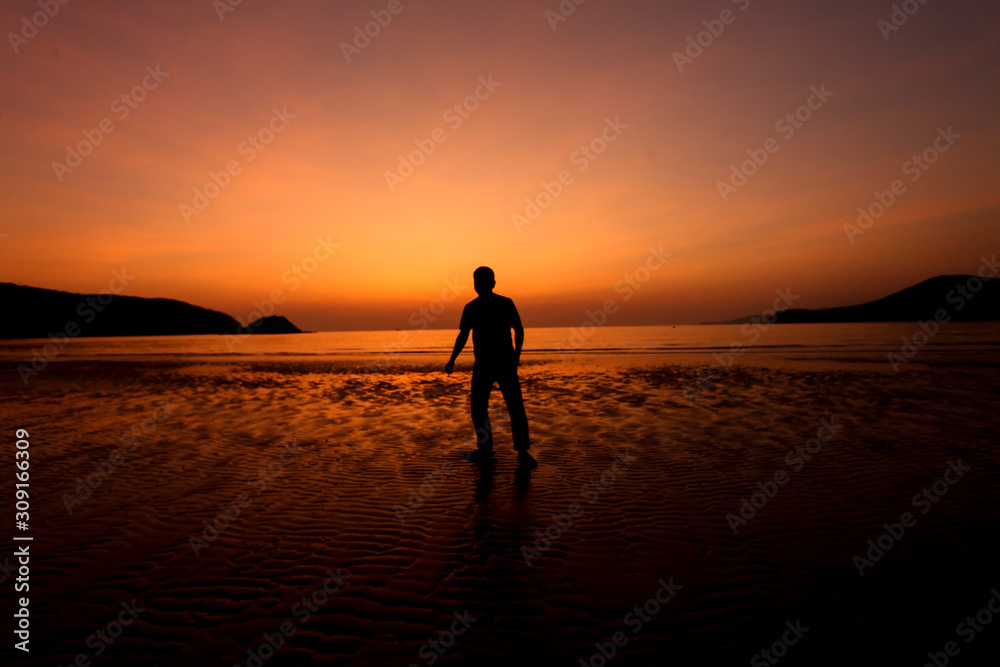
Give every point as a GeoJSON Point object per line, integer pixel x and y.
{"type": "Point", "coordinates": [275, 324]}
{"type": "Point", "coordinates": [33, 312]}
{"type": "Point", "coordinates": [919, 302]}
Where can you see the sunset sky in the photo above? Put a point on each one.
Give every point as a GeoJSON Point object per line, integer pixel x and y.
{"type": "Point", "coordinates": [608, 68]}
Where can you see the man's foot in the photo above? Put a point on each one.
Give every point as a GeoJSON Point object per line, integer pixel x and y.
{"type": "Point", "coordinates": [526, 460]}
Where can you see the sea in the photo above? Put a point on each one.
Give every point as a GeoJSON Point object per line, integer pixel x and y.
{"type": "Point", "coordinates": [871, 342]}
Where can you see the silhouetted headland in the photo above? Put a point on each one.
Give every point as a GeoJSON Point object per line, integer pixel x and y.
{"type": "Point", "coordinates": [275, 324]}
{"type": "Point", "coordinates": [955, 294]}
{"type": "Point", "coordinates": [34, 312]}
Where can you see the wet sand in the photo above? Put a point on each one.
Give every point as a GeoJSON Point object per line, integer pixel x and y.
{"type": "Point", "coordinates": [333, 512]}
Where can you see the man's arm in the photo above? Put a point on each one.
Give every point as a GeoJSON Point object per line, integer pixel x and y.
{"type": "Point", "coordinates": [464, 327]}
{"type": "Point", "coordinates": [518, 335]}
{"type": "Point", "coordinates": [463, 337]}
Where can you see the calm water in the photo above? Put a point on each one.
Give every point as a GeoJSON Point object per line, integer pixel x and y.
{"type": "Point", "coordinates": [819, 339]}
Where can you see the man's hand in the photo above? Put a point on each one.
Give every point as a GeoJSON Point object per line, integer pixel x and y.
{"type": "Point", "coordinates": [449, 367]}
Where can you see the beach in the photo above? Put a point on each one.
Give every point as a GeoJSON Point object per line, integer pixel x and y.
{"type": "Point", "coordinates": [319, 511]}
{"type": "Point", "coordinates": [733, 265]}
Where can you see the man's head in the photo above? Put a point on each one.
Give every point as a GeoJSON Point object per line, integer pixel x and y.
{"type": "Point", "coordinates": [484, 280]}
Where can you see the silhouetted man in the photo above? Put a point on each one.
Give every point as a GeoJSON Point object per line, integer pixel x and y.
{"type": "Point", "coordinates": [490, 317]}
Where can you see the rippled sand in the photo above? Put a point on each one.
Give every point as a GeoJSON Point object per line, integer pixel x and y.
{"type": "Point", "coordinates": [304, 469]}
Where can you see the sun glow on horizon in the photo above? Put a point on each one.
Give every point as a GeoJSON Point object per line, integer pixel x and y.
{"type": "Point", "coordinates": [483, 136]}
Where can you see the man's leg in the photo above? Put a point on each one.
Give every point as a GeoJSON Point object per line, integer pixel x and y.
{"type": "Point", "coordinates": [510, 385]}
{"type": "Point", "coordinates": [482, 384]}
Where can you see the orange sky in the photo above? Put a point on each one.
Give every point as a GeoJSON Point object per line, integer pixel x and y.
{"type": "Point", "coordinates": [323, 176]}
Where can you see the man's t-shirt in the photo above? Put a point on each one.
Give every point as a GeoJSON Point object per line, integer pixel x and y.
{"type": "Point", "coordinates": [491, 318]}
